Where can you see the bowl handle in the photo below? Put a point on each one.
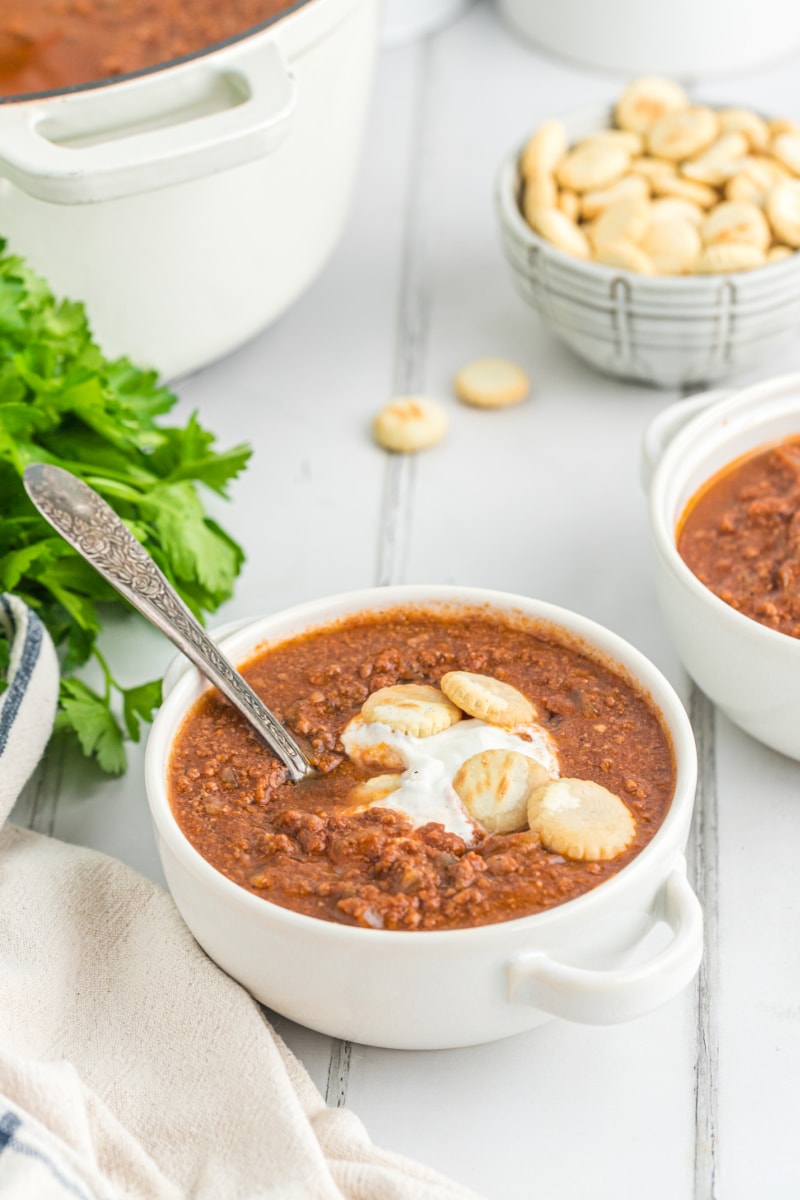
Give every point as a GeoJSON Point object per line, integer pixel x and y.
{"type": "Point", "coordinates": [151, 131]}
{"type": "Point", "coordinates": [597, 997]}
{"type": "Point", "coordinates": [662, 429]}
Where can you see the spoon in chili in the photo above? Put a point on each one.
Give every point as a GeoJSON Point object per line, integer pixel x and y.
{"type": "Point", "coordinates": [91, 527]}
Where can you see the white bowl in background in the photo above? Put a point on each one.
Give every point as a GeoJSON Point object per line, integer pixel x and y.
{"type": "Point", "coordinates": [669, 331]}
{"type": "Point", "coordinates": [182, 205]}
{"type": "Point", "coordinates": [457, 987]}
{"type": "Point", "coordinates": [751, 672]}
{"type": "Point", "coordinates": [684, 38]}
{"type": "Point", "coordinates": [404, 20]}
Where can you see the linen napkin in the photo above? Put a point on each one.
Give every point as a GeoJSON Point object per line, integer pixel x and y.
{"type": "Point", "coordinates": [130, 1065]}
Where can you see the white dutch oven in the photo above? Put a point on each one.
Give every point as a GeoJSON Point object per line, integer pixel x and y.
{"type": "Point", "coordinates": [751, 672]}
{"type": "Point", "coordinates": [189, 205]}
{"type": "Point", "coordinates": [423, 990]}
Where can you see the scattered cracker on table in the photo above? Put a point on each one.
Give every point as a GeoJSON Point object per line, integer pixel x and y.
{"type": "Point", "coordinates": [601, 198]}
{"type": "Point", "coordinates": [491, 382]}
{"type": "Point", "coordinates": [410, 423]}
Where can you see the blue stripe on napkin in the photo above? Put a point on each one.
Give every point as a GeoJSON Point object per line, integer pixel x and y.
{"type": "Point", "coordinates": [9, 1124]}
{"type": "Point", "coordinates": [10, 1128]}
{"type": "Point", "coordinates": [32, 632]}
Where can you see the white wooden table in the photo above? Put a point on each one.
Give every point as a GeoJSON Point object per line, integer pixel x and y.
{"type": "Point", "coordinates": [700, 1099]}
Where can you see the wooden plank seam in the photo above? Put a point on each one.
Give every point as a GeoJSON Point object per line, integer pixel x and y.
{"type": "Point", "coordinates": [704, 863]}
{"type": "Point", "coordinates": [408, 377]}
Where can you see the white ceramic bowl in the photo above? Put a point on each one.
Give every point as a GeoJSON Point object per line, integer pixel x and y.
{"type": "Point", "coordinates": [751, 672]}
{"type": "Point", "coordinates": [183, 204]}
{"type": "Point", "coordinates": [667, 331]}
{"type": "Point", "coordinates": [683, 38]}
{"type": "Point", "coordinates": [453, 987]}
{"type": "Point", "coordinates": [405, 20]}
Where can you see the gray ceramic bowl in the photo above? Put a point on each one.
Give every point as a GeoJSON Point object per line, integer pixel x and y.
{"type": "Point", "coordinates": [664, 330]}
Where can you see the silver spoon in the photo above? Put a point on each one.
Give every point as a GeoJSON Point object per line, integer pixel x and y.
{"type": "Point", "coordinates": [93, 529]}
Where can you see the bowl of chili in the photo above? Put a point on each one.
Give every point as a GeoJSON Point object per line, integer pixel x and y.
{"type": "Point", "coordinates": [272, 884]}
{"type": "Point", "coordinates": [722, 471]}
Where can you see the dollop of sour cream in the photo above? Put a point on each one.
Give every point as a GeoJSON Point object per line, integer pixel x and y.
{"type": "Point", "coordinates": [426, 791]}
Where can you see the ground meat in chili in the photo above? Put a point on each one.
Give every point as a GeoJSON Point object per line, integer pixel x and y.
{"type": "Point", "coordinates": [298, 846]}
{"type": "Point", "coordinates": [50, 44]}
{"type": "Point", "coordinates": [740, 535]}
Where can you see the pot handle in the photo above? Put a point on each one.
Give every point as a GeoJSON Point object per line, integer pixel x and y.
{"type": "Point", "coordinates": [662, 429]}
{"type": "Point", "coordinates": [152, 131]}
{"type": "Point", "coordinates": [593, 997]}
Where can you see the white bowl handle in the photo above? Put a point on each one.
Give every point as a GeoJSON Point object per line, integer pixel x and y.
{"type": "Point", "coordinates": [662, 429]}
{"type": "Point", "coordinates": [157, 129]}
{"type": "Point", "coordinates": [596, 997]}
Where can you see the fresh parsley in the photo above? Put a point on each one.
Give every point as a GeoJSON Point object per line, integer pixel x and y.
{"type": "Point", "coordinates": [63, 402]}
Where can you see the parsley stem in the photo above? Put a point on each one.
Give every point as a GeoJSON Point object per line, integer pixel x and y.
{"type": "Point", "coordinates": [109, 678]}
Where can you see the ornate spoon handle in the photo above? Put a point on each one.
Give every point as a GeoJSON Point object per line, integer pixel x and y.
{"type": "Point", "coordinates": [93, 528]}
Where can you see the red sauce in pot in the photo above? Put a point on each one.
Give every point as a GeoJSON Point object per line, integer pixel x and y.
{"type": "Point", "coordinates": [305, 848]}
{"type": "Point", "coordinates": [50, 44]}
{"type": "Point", "coordinates": [740, 535]}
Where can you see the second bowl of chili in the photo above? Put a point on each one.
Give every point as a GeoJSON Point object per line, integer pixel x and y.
{"type": "Point", "coordinates": [721, 513]}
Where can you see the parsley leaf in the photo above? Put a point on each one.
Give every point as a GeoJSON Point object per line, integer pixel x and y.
{"type": "Point", "coordinates": [62, 401]}
{"type": "Point", "coordinates": [89, 716]}
{"type": "Point", "coordinates": [139, 704]}
{"type": "Point", "coordinates": [195, 550]}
